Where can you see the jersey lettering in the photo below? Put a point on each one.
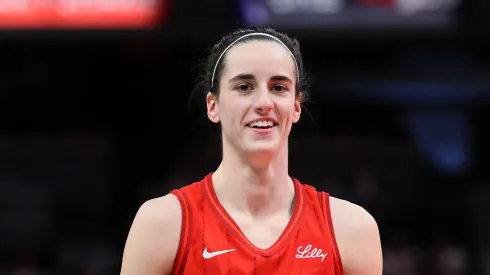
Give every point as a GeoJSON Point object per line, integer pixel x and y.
{"type": "Point", "coordinates": [307, 254]}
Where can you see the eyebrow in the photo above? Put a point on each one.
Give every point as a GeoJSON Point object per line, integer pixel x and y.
{"type": "Point", "coordinates": [252, 77]}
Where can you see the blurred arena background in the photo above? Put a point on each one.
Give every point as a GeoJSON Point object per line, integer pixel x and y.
{"type": "Point", "coordinates": [97, 117]}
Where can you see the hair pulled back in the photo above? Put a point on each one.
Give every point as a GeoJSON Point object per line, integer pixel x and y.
{"type": "Point", "coordinates": [207, 84]}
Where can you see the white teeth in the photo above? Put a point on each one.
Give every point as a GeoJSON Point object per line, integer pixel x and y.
{"type": "Point", "coordinates": [262, 123]}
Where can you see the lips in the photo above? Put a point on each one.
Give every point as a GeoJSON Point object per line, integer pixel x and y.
{"type": "Point", "coordinates": [262, 123]}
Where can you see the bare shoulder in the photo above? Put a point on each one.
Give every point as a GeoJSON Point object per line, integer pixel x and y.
{"type": "Point", "coordinates": [351, 216]}
{"type": "Point", "coordinates": [162, 211]}
{"type": "Point", "coordinates": [358, 240]}
{"type": "Point", "coordinates": [153, 239]}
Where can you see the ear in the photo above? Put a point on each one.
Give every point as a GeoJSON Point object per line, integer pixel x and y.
{"type": "Point", "coordinates": [297, 110]}
{"type": "Point", "coordinates": [212, 107]}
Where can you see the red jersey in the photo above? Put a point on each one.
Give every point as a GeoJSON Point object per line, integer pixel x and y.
{"type": "Point", "coordinates": [212, 243]}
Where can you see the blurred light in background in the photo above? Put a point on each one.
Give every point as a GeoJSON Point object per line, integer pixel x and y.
{"type": "Point", "coordinates": [62, 14]}
{"type": "Point", "coordinates": [442, 137]}
{"type": "Point", "coordinates": [345, 13]}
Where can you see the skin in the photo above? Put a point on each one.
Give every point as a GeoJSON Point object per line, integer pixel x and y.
{"type": "Point", "coordinates": [257, 83]}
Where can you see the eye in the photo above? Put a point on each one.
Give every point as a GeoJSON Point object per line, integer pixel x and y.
{"type": "Point", "coordinates": [243, 88]}
{"type": "Point", "coordinates": [279, 89]}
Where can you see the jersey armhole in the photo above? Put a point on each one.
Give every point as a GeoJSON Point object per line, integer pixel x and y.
{"type": "Point", "coordinates": [324, 199]}
{"type": "Point", "coordinates": [183, 250]}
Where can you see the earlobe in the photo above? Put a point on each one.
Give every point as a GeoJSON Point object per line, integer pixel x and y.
{"type": "Point", "coordinates": [297, 111]}
{"type": "Point", "coordinates": [212, 108]}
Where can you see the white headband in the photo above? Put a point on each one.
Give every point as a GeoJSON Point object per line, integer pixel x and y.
{"type": "Point", "coordinates": [254, 34]}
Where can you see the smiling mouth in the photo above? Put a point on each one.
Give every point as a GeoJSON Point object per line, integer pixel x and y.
{"type": "Point", "coordinates": [266, 124]}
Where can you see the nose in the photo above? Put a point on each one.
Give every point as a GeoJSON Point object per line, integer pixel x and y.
{"type": "Point", "coordinates": [263, 103]}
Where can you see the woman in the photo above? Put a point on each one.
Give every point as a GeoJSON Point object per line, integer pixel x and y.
{"type": "Point", "coordinates": [250, 216]}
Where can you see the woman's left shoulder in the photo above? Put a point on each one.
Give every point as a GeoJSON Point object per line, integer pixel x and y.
{"type": "Point", "coordinates": [357, 236]}
{"type": "Point", "coordinates": [351, 215]}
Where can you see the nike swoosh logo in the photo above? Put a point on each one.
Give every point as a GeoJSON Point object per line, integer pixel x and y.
{"type": "Point", "coordinates": [209, 255]}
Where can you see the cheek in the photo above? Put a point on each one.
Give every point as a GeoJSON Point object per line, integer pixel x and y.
{"type": "Point", "coordinates": [229, 112]}
{"type": "Point", "coordinates": [287, 109]}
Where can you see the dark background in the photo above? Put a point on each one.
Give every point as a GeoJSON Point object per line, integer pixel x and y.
{"type": "Point", "coordinates": [96, 121]}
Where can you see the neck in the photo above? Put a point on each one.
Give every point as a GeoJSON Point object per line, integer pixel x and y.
{"type": "Point", "coordinates": [260, 185]}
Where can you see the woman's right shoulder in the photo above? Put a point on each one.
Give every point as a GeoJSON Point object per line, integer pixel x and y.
{"type": "Point", "coordinates": [162, 214]}
{"type": "Point", "coordinates": [153, 239]}
{"type": "Point", "coordinates": [163, 210]}
{"type": "Point", "coordinates": [168, 210]}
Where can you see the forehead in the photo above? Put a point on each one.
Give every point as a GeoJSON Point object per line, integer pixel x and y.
{"type": "Point", "coordinates": [259, 58]}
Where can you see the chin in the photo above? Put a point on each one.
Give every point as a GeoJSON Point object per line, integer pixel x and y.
{"type": "Point", "coordinates": [262, 147]}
